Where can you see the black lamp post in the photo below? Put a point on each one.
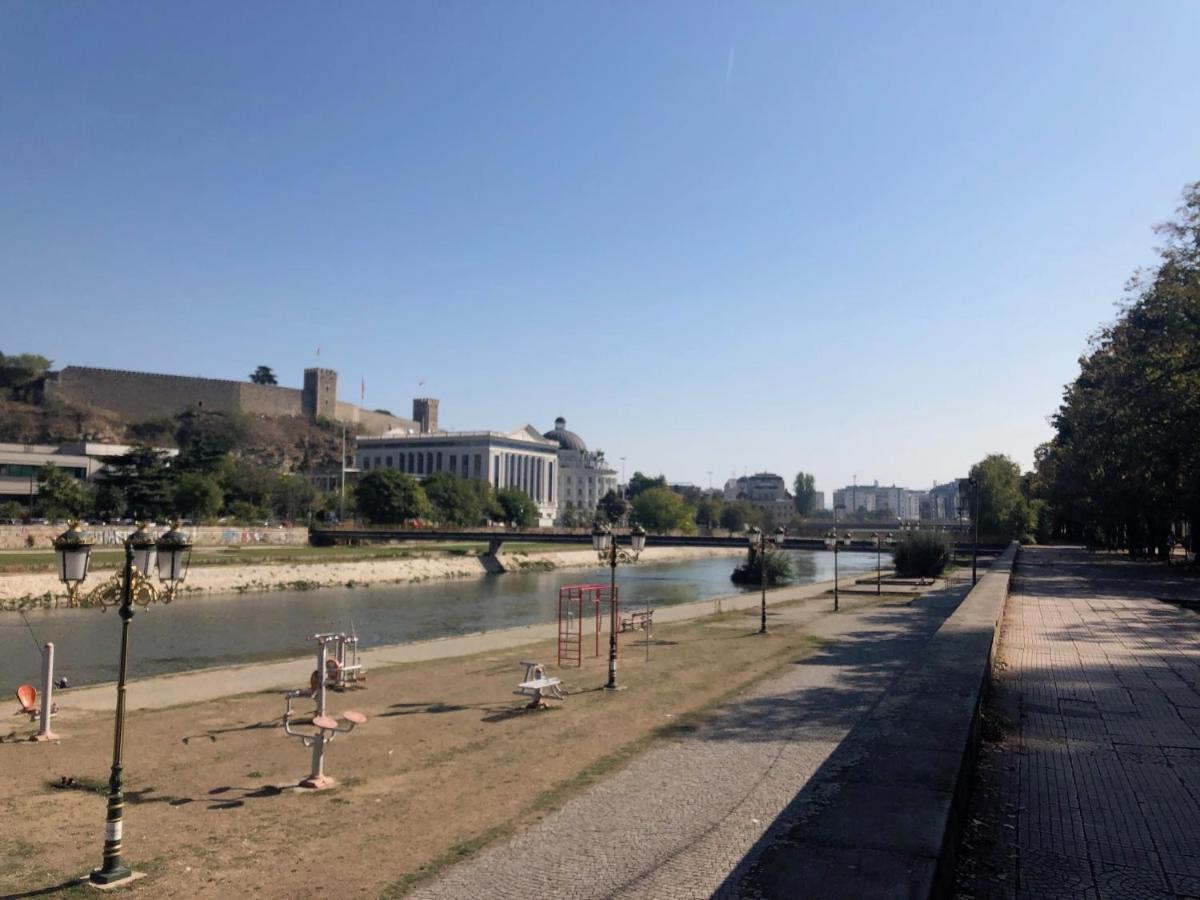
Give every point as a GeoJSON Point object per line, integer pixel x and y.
{"type": "Point", "coordinates": [131, 585]}
{"type": "Point", "coordinates": [879, 539]}
{"type": "Point", "coordinates": [759, 543]}
{"type": "Point", "coordinates": [605, 543]}
{"type": "Point", "coordinates": [831, 543]}
{"type": "Point", "coordinates": [972, 506]}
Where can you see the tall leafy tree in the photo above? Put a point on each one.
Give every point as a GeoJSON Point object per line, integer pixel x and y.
{"type": "Point", "coordinates": [263, 375]}
{"type": "Point", "coordinates": [61, 494]}
{"type": "Point", "coordinates": [197, 496]}
{"type": "Point", "coordinates": [1003, 508]}
{"type": "Point", "coordinates": [143, 479]}
{"type": "Point", "coordinates": [1124, 464]}
{"type": "Point", "coordinates": [660, 509]}
{"type": "Point", "coordinates": [640, 482]}
{"type": "Point", "coordinates": [804, 493]}
{"type": "Point", "coordinates": [612, 507]}
{"type": "Point", "coordinates": [385, 495]}
{"type": "Point", "coordinates": [454, 501]}
{"type": "Point", "coordinates": [516, 508]}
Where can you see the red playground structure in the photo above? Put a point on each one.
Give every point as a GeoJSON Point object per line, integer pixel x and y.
{"type": "Point", "coordinates": [575, 601]}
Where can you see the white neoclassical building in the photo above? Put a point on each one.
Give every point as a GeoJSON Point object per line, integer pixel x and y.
{"type": "Point", "coordinates": [583, 476]}
{"type": "Point", "coordinates": [520, 459]}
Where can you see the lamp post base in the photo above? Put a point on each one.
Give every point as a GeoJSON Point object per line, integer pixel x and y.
{"type": "Point", "coordinates": [45, 736]}
{"type": "Point", "coordinates": [113, 878]}
{"type": "Point", "coordinates": [319, 783]}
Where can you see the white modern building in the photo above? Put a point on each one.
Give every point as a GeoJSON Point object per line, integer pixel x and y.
{"type": "Point", "coordinates": [583, 475]}
{"type": "Point", "coordinates": [20, 464]}
{"type": "Point", "coordinates": [520, 459]}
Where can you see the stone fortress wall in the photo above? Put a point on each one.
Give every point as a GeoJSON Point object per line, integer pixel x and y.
{"type": "Point", "coordinates": [139, 396]}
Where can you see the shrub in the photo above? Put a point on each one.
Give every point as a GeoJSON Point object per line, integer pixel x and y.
{"type": "Point", "coordinates": [778, 570]}
{"type": "Point", "coordinates": [921, 554]}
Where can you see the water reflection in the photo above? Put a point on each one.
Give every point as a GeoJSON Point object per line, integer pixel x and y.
{"type": "Point", "coordinates": [203, 631]}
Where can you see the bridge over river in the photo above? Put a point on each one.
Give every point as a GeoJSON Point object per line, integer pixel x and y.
{"type": "Point", "coordinates": [860, 538]}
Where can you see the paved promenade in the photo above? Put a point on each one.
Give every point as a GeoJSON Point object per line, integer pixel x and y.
{"type": "Point", "coordinates": [680, 819]}
{"type": "Point", "coordinates": [1093, 790]}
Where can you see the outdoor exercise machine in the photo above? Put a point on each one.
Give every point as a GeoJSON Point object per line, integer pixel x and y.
{"type": "Point", "coordinates": [27, 696]}
{"type": "Point", "coordinates": [575, 601]}
{"type": "Point", "coordinates": [327, 726]}
{"type": "Point", "coordinates": [343, 667]}
{"type": "Point", "coordinates": [537, 686]}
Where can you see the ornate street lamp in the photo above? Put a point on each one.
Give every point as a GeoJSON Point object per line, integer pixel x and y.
{"type": "Point", "coordinates": [879, 539]}
{"type": "Point", "coordinates": [965, 507]}
{"type": "Point", "coordinates": [832, 541]}
{"type": "Point", "coordinates": [760, 542]}
{"type": "Point", "coordinates": [131, 585]}
{"type": "Point", "coordinates": [610, 552]}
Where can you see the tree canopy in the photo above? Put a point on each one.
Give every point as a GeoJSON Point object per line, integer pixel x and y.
{"type": "Point", "coordinates": [660, 509]}
{"type": "Point", "coordinates": [516, 508]}
{"type": "Point", "coordinates": [1124, 464]}
{"type": "Point", "coordinates": [804, 493]}
{"type": "Point", "coordinates": [455, 501]}
{"type": "Point", "coordinates": [385, 495]}
{"type": "Point", "coordinates": [612, 507]}
{"type": "Point", "coordinates": [640, 482]}
{"type": "Point", "coordinates": [1003, 509]}
{"type": "Point", "coordinates": [263, 375]}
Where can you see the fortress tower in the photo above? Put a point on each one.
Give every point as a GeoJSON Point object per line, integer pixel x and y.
{"type": "Point", "coordinates": [319, 397]}
{"type": "Point", "coordinates": [425, 414]}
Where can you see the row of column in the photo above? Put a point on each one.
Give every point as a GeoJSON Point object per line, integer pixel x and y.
{"type": "Point", "coordinates": [534, 475]}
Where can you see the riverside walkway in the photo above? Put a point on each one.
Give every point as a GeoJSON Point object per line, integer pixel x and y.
{"type": "Point", "coordinates": [1089, 784]}
{"type": "Point", "coordinates": [682, 820]}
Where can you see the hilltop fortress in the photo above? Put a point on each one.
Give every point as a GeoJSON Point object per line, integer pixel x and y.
{"type": "Point", "coordinates": [138, 396]}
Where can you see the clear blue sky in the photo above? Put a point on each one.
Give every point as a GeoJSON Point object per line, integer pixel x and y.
{"type": "Point", "coordinates": [859, 239]}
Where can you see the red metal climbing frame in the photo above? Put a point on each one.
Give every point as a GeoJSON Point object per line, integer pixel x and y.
{"type": "Point", "coordinates": [574, 601]}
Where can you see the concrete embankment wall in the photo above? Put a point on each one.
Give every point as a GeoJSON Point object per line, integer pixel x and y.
{"type": "Point", "coordinates": [882, 816]}
{"type": "Point", "coordinates": [17, 537]}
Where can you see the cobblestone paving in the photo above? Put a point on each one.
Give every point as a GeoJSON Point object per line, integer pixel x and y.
{"type": "Point", "coordinates": [1093, 789]}
{"type": "Point", "coordinates": [679, 819]}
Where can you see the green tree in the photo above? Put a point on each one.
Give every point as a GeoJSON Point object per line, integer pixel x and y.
{"type": "Point", "coordinates": [660, 509]}
{"type": "Point", "coordinates": [804, 493]}
{"type": "Point", "coordinates": [263, 375]}
{"type": "Point", "coordinates": [516, 508]}
{"type": "Point", "coordinates": [454, 501]}
{"type": "Point", "coordinates": [206, 440]}
{"type": "Point", "coordinates": [1003, 508]}
{"type": "Point", "coordinates": [385, 495]}
{"type": "Point", "coordinates": [18, 371]}
{"type": "Point", "coordinates": [109, 502]}
{"type": "Point", "coordinates": [293, 498]}
{"type": "Point", "coordinates": [1124, 464]}
{"type": "Point", "coordinates": [571, 517]}
{"type": "Point", "coordinates": [197, 496]}
{"type": "Point", "coordinates": [142, 477]}
{"type": "Point", "coordinates": [60, 494]}
{"type": "Point", "coordinates": [612, 507]}
{"type": "Point", "coordinates": [708, 511]}
{"type": "Point", "coordinates": [640, 482]}
{"type": "Point", "coordinates": [11, 511]}
{"type": "Point", "coordinates": [736, 516]}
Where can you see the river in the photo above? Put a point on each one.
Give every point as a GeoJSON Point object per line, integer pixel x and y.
{"type": "Point", "coordinates": [201, 631]}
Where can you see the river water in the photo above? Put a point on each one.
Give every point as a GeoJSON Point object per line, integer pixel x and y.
{"type": "Point", "coordinates": [202, 631]}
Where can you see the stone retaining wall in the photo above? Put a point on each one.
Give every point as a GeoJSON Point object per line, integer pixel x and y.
{"type": "Point", "coordinates": [15, 537]}
{"type": "Point", "coordinates": [882, 815]}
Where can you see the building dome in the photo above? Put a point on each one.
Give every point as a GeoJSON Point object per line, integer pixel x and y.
{"type": "Point", "coordinates": [567, 440]}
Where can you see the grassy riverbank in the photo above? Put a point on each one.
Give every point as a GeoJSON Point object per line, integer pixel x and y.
{"type": "Point", "coordinates": [447, 763]}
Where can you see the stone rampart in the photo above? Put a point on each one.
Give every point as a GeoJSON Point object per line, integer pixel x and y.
{"type": "Point", "coordinates": [142, 395]}
{"type": "Point", "coordinates": [269, 400]}
{"type": "Point", "coordinates": [16, 537]}
{"type": "Point", "coordinates": [881, 817]}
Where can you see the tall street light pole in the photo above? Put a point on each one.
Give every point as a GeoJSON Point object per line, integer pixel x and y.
{"type": "Point", "coordinates": [605, 543]}
{"type": "Point", "coordinates": [759, 543]}
{"type": "Point", "coordinates": [131, 585]}
{"type": "Point", "coordinates": [879, 538]}
{"type": "Point", "coordinates": [974, 482]}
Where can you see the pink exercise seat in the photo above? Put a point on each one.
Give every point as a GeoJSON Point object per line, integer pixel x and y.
{"type": "Point", "coordinates": [356, 717]}
{"type": "Point", "coordinates": [325, 723]}
{"type": "Point", "coordinates": [27, 697]}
